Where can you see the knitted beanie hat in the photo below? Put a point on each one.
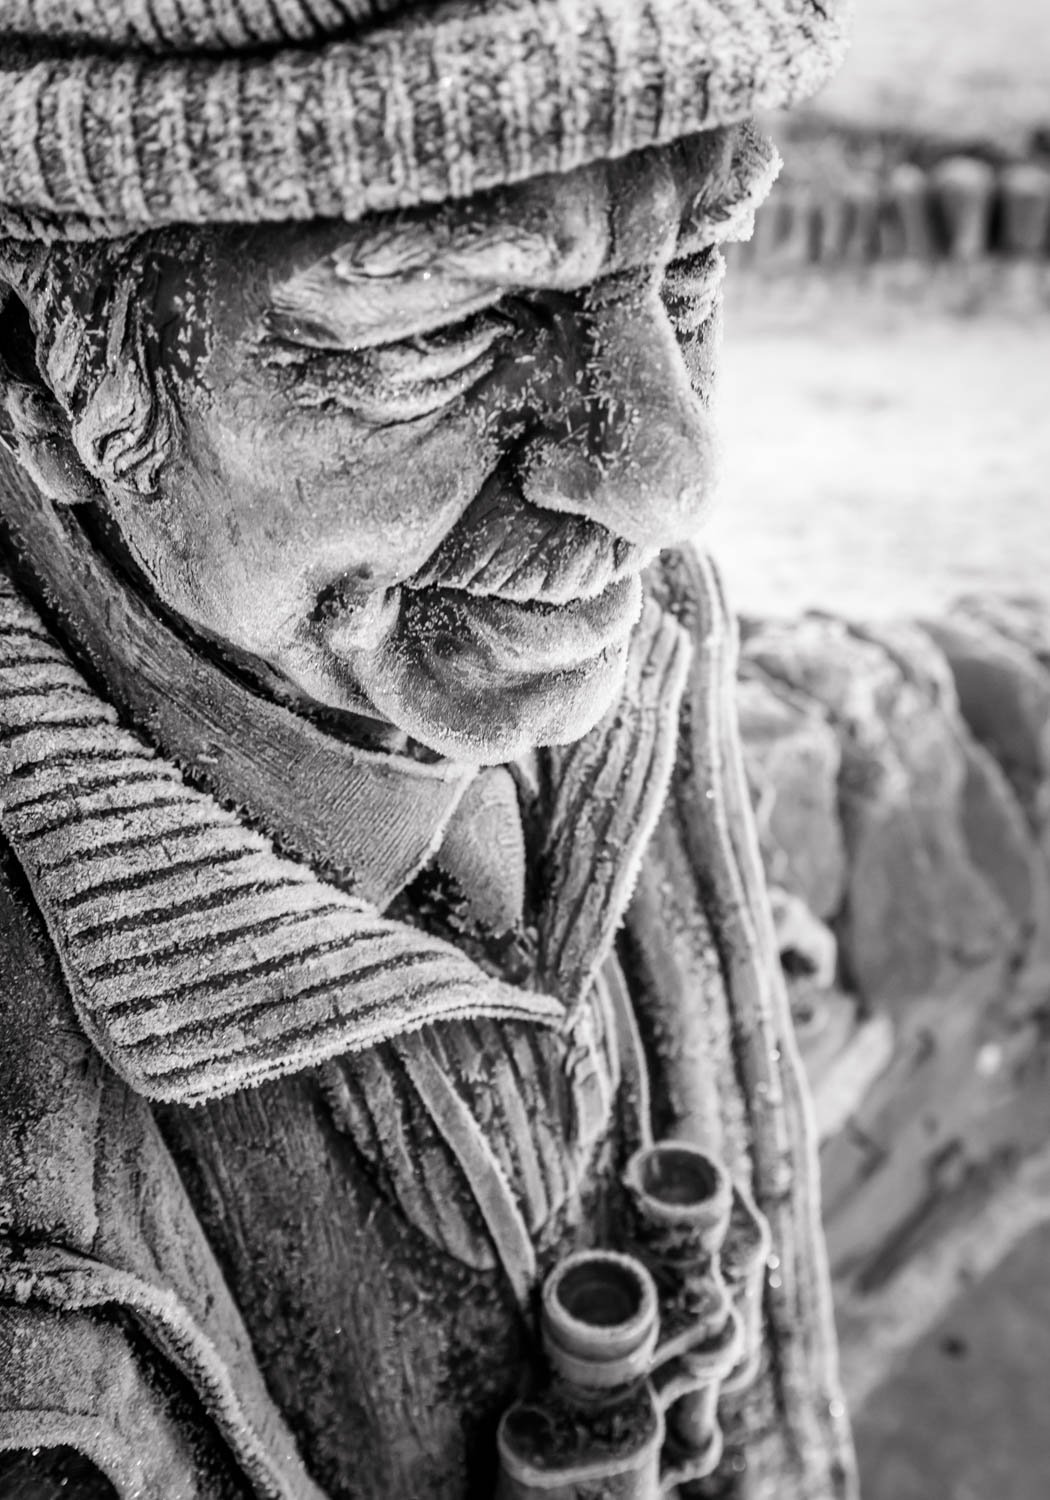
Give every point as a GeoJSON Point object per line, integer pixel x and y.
{"type": "Point", "coordinates": [122, 115]}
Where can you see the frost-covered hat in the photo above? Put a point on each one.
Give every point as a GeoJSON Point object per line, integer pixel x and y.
{"type": "Point", "coordinates": [122, 115]}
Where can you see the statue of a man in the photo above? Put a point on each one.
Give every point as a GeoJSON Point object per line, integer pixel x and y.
{"type": "Point", "coordinates": [378, 884]}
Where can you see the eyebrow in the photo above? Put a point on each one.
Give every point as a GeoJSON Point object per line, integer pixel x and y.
{"type": "Point", "coordinates": [412, 273]}
{"type": "Point", "coordinates": [345, 301]}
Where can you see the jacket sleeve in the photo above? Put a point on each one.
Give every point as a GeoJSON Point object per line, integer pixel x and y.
{"type": "Point", "coordinates": [118, 1337]}
{"type": "Point", "coordinates": [80, 1394]}
{"type": "Point", "coordinates": [52, 1474]}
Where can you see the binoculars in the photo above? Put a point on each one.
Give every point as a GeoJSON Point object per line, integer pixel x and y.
{"type": "Point", "coordinates": [642, 1340]}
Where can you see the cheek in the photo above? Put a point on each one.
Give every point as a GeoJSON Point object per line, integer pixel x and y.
{"type": "Point", "coordinates": [254, 521]}
{"type": "Point", "coordinates": [334, 495]}
{"type": "Point", "coordinates": [218, 568]}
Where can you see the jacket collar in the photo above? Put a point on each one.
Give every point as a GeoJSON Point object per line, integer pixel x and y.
{"type": "Point", "coordinates": [201, 959]}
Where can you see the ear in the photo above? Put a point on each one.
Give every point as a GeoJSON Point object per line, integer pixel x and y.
{"type": "Point", "coordinates": [33, 426]}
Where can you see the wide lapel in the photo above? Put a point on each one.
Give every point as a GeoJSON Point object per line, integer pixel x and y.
{"type": "Point", "coordinates": [199, 960]}
{"type": "Point", "coordinates": [602, 798]}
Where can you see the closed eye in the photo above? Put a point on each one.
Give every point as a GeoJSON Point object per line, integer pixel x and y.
{"type": "Point", "coordinates": [690, 289]}
{"type": "Point", "coordinates": [401, 381]}
{"type": "Point", "coordinates": [444, 353]}
{"type": "Point", "coordinates": [422, 374]}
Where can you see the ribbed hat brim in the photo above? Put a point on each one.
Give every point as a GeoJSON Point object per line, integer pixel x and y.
{"type": "Point", "coordinates": [447, 104]}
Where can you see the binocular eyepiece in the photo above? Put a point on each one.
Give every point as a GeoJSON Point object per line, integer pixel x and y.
{"type": "Point", "coordinates": [676, 1185]}
{"type": "Point", "coordinates": [599, 1321]}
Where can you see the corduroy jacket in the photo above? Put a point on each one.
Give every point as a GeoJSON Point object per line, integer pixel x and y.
{"type": "Point", "coordinates": [241, 1297]}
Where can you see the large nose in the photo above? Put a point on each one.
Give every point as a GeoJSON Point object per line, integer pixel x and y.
{"type": "Point", "coordinates": [627, 441]}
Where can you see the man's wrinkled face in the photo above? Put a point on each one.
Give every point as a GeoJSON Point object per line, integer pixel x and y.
{"type": "Point", "coordinates": [425, 458]}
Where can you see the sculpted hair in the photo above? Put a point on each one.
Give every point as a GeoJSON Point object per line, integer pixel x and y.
{"type": "Point", "coordinates": [97, 352]}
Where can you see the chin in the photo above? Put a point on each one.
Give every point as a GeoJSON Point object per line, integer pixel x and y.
{"type": "Point", "coordinates": [491, 722]}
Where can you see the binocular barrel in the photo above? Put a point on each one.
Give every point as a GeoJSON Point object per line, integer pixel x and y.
{"type": "Point", "coordinates": [597, 1428]}
{"type": "Point", "coordinates": [682, 1202]}
{"type": "Point", "coordinates": [639, 1342]}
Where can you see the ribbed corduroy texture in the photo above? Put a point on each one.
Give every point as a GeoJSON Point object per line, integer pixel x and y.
{"type": "Point", "coordinates": [606, 793]}
{"type": "Point", "coordinates": [199, 961]}
{"type": "Point", "coordinates": [117, 138]}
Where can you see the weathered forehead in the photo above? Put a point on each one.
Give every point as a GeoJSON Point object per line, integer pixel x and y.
{"type": "Point", "coordinates": [339, 283]}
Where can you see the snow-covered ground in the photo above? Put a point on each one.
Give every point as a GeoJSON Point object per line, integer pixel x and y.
{"type": "Point", "coordinates": [881, 461]}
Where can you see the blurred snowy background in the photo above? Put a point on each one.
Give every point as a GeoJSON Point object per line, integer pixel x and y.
{"type": "Point", "coordinates": [885, 393]}
{"type": "Point", "coordinates": [886, 373]}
